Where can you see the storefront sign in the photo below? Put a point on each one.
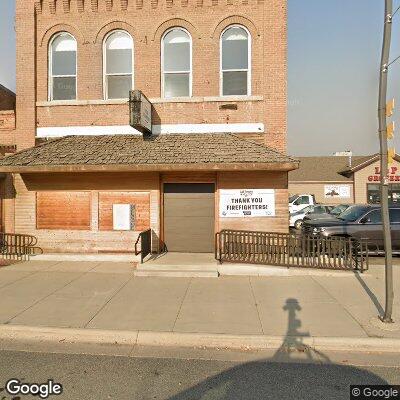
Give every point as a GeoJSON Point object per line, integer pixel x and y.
{"type": "Point", "coordinates": [140, 112]}
{"type": "Point", "coordinates": [247, 203]}
{"type": "Point", "coordinates": [392, 175]}
{"type": "Point", "coordinates": [337, 191]}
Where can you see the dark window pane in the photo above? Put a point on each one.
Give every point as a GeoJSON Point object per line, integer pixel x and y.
{"type": "Point", "coordinates": [234, 83]}
{"type": "Point", "coordinates": [394, 215]}
{"type": "Point", "coordinates": [176, 85]}
{"type": "Point", "coordinates": [64, 88]}
{"type": "Point", "coordinates": [374, 217]}
{"type": "Point", "coordinates": [119, 86]}
{"type": "Point", "coordinates": [64, 63]}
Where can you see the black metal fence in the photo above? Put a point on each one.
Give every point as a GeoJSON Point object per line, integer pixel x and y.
{"type": "Point", "coordinates": [17, 246]}
{"type": "Point", "coordinates": [291, 250]}
{"type": "Point", "coordinates": [145, 239]}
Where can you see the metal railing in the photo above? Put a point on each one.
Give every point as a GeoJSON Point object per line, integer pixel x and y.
{"type": "Point", "coordinates": [291, 250]}
{"type": "Point", "coordinates": [18, 246]}
{"type": "Point", "coordinates": [145, 239]}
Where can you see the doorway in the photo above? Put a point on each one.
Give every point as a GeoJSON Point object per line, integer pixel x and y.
{"type": "Point", "coordinates": [189, 217]}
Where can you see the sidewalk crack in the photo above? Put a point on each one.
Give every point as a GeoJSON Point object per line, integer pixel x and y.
{"type": "Point", "coordinates": [105, 304]}
{"type": "Point", "coordinates": [180, 306]}
{"type": "Point", "coordinates": [256, 304]}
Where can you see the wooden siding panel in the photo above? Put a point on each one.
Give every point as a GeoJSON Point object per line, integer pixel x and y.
{"type": "Point", "coordinates": [257, 180]}
{"type": "Point", "coordinates": [140, 200]}
{"type": "Point", "coordinates": [63, 210]}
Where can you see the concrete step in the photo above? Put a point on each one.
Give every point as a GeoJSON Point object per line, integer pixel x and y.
{"type": "Point", "coordinates": [177, 273]}
{"type": "Point", "coordinates": [150, 266]}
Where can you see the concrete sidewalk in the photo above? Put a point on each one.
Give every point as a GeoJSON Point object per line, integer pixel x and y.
{"type": "Point", "coordinates": [107, 296]}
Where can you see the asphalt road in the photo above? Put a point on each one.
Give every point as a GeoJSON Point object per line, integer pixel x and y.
{"type": "Point", "coordinates": [98, 377]}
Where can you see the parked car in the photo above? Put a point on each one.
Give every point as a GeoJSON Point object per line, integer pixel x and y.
{"type": "Point", "coordinates": [359, 222]}
{"type": "Point", "coordinates": [299, 201]}
{"type": "Point", "coordinates": [319, 210]}
{"type": "Point", "coordinates": [333, 212]}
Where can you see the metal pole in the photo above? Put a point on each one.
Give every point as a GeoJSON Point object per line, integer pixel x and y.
{"type": "Point", "coordinates": [387, 317]}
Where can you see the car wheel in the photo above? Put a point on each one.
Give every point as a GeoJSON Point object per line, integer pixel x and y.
{"type": "Point", "coordinates": [298, 224]}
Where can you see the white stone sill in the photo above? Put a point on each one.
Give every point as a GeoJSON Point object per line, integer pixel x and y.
{"type": "Point", "coordinates": [220, 99]}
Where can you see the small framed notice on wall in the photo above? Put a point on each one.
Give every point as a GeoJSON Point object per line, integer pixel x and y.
{"type": "Point", "coordinates": [123, 217]}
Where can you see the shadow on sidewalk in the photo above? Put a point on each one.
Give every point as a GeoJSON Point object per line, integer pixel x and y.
{"type": "Point", "coordinates": [370, 294]}
{"type": "Point", "coordinates": [295, 371]}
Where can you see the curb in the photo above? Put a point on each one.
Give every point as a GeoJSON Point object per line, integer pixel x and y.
{"type": "Point", "coordinates": [203, 340]}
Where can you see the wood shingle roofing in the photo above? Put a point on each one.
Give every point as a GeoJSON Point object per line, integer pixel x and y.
{"type": "Point", "coordinates": [134, 152]}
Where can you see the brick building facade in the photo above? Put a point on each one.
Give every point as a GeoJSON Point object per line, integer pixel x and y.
{"type": "Point", "coordinates": [76, 57]}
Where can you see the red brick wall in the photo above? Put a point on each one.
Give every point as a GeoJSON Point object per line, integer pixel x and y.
{"type": "Point", "coordinates": [146, 21]}
{"type": "Point", "coordinates": [7, 127]}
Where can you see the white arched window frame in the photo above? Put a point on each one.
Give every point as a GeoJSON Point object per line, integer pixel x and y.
{"type": "Point", "coordinates": [63, 65]}
{"type": "Point", "coordinates": [176, 73]}
{"type": "Point", "coordinates": [236, 68]}
{"type": "Point", "coordinates": [118, 77]}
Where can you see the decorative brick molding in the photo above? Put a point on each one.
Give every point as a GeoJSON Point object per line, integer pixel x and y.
{"type": "Point", "coordinates": [235, 19]}
{"type": "Point", "coordinates": [112, 26]}
{"type": "Point", "coordinates": [81, 6]}
{"type": "Point", "coordinates": [94, 5]}
{"type": "Point", "coordinates": [139, 4]}
{"type": "Point", "coordinates": [109, 5]}
{"type": "Point", "coordinates": [52, 6]}
{"type": "Point", "coordinates": [66, 6]}
{"type": "Point", "coordinates": [124, 5]}
{"type": "Point", "coordinates": [61, 27]}
{"type": "Point", "coordinates": [181, 22]}
{"type": "Point", "coordinates": [38, 6]}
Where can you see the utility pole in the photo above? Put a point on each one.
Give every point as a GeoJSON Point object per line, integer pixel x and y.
{"type": "Point", "coordinates": [387, 35]}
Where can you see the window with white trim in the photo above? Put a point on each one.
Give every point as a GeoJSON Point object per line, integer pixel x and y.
{"type": "Point", "coordinates": [176, 63]}
{"type": "Point", "coordinates": [62, 67]}
{"type": "Point", "coordinates": [235, 61]}
{"type": "Point", "coordinates": [118, 65]}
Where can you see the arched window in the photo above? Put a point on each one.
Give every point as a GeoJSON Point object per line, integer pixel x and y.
{"type": "Point", "coordinates": [176, 63]}
{"type": "Point", "coordinates": [235, 61]}
{"type": "Point", "coordinates": [62, 67]}
{"type": "Point", "coordinates": [118, 65]}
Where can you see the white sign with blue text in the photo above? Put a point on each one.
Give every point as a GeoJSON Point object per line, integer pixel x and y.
{"type": "Point", "coordinates": [247, 203]}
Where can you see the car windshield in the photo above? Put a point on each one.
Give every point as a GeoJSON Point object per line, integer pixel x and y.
{"type": "Point", "coordinates": [293, 198]}
{"type": "Point", "coordinates": [338, 209]}
{"type": "Point", "coordinates": [353, 213]}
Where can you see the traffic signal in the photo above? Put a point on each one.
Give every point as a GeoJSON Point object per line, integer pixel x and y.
{"type": "Point", "coordinates": [390, 130]}
{"type": "Point", "coordinates": [389, 108]}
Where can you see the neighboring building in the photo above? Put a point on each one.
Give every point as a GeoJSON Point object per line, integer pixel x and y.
{"type": "Point", "coordinates": [336, 180]}
{"type": "Point", "coordinates": [7, 145]}
{"type": "Point", "coordinates": [216, 75]}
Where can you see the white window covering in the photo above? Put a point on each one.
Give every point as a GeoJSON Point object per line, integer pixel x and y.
{"type": "Point", "coordinates": [118, 65]}
{"type": "Point", "coordinates": [235, 62]}
{"type": "Point", "coordinates": [176, 60]}
{"type": "Point", "coordinates": [62, 67]}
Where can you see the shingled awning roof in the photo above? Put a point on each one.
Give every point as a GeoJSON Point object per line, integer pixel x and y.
{"type": "Point", "coordinates": [220, 151]}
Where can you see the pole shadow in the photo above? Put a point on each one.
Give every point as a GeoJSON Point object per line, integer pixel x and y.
{"type": "Point", "coordinates": [284, 376]}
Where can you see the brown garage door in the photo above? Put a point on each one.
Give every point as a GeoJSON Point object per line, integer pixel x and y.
{"type": "Point", "coordinates": [189, 217]}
